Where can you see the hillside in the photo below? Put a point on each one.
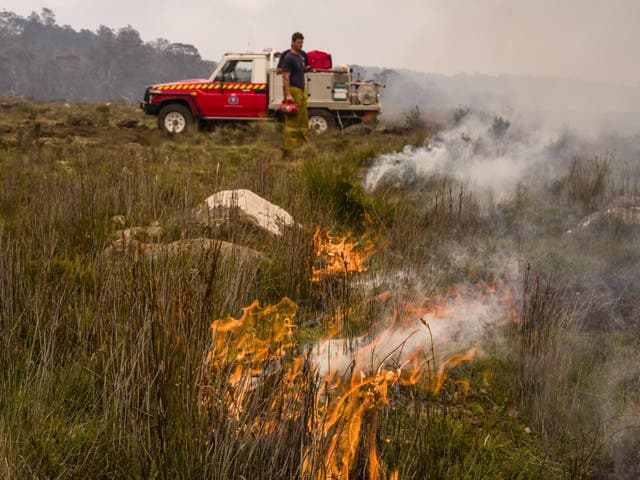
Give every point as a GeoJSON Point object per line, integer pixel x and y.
{"type": "Point", "coordinates": [42, 60]}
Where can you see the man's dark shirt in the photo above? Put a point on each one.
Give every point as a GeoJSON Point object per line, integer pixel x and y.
{"type": "Point", "coordinates": [294, 65]}
{"type": "Point", "coordinates": [288, 51]}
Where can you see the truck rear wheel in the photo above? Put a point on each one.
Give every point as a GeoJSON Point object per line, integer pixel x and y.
{"type": "Point", "coordinates": [175, 118]}
{"type": "Point", "coordinates": [320, 121]}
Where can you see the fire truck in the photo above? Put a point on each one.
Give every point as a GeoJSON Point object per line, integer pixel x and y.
{"type": "Point", "coordinates": [246, 87]}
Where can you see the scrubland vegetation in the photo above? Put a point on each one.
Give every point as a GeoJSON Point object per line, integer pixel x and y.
{"type": "Point", "coordinates": [111, 368]}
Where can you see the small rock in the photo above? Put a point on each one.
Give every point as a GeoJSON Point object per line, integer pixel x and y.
{"type": "Point", "coordinates": [152, 232]}
{"type": "Point", "coordinates": [127, 124]}
{"type": "Point", "coordinates": [118, 220]}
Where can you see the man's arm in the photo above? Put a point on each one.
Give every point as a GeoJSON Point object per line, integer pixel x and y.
{"type": "Point", "coordinates": [286, 79]}
{"type": "Point", "coordinates": [286, 87]}
{"type": "Point", "coordinates": [283, 55]}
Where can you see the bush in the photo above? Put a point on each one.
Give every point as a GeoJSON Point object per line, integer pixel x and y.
{"type": "Point", "coordinates": [586, 181]}
{"type": "Point", "coordinates": [414, 119]}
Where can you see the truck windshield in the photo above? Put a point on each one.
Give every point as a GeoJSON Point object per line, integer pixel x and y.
{"type": "Point", "coordinates": [236, 71]}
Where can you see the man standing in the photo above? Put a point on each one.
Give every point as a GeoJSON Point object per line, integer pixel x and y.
{"type": "Point", "coordinates": [293, 65]}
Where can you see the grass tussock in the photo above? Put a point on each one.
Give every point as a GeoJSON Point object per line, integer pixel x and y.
{"type": "Point", "coordinates": [586, 181]}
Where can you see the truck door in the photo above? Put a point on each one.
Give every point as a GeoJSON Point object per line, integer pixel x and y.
{"type": "Point", "coordinates": [234, 94]}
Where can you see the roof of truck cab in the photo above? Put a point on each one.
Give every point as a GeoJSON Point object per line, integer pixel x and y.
{"type": "Point", "coordinates": [245, 54]}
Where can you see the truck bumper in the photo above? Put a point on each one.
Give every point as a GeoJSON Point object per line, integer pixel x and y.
{"type": "Point", "coordinates": [150, 108]}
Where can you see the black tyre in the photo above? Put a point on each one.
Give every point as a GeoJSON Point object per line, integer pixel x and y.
{"type": "Point", "coordinates": [175, 118]}
{"type": "Point", "coordinates": [320, 121]}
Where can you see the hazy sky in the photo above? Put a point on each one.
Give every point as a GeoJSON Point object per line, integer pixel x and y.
{"type": "Point", "coordinates": [596, 40]}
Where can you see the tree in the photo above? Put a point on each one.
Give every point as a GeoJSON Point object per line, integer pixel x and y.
{"type": "Point", "coordinates": [48, 17]}
{"type": "Point", "coordinates": [183, 49]}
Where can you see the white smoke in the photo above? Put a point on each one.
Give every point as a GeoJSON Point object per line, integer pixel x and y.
{"type": "Point", "coordinates": [590, 108]}
{"type": "Point", "coordinates": [491, 154]}
{"type": "Point", "coordinates": [453, 325]}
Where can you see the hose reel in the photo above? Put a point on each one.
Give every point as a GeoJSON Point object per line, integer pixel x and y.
{"type": "Point", "coordinates": [367, 93]}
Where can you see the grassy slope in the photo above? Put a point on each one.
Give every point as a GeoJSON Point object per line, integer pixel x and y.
{"type": "Point", "coordinates": [103, 356]}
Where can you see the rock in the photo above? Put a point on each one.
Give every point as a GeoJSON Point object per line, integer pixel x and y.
{"type": "Point", "coordinates": [152, 232]}
{"type": "Point", "coordinates": [626, 215]}
{"type": "Point", "coordinates": [248, 206]}
{"type": "Point", "coordinates": [127, 124]}
{"type": "Point", "coordinates": [193, 246]}
{"type": "Point", "coordinates": [624, 209]}
{"type": "Point", "coordinates": [118, 220]}
{"type": "Point", "coordinates": [9, 103]}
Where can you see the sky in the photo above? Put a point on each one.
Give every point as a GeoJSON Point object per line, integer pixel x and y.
{"type": "Point", "coordinates": [590, 40]}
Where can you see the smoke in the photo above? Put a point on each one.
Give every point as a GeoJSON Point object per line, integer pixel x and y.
{"type": "Point", "coordinates": [491, 154]}
{"type": "Point", "coordinates": [523, 134]}
{"type": "Point", "coordinates": [453, 324]}
{"type": "Point", "coordinates": [621, 414]}
{"type": "Point", "coordinates": [494, 154]}
{"type": "Point", "coordinates": [590, 108]}
{"type": "Point", "coordinates": [548, 121]}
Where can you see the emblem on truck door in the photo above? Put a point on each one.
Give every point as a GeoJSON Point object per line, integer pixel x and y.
{"type": "Point", "coordinates": [233, 99]}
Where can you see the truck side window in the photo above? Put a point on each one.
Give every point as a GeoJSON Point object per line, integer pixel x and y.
{"type": "Point", "coordinates": [236, 71]}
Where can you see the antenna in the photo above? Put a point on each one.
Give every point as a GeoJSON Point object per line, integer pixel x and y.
{"type": "Point", "coordinates": [250, 40]}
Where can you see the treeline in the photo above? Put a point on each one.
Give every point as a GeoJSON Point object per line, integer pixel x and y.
{"type": "Point", "coordinates": [42, 60]}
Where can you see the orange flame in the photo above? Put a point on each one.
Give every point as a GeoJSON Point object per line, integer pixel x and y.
{"type": "Point", "coordinates": [337, 255]}
{"type": "Point", "coordinates": [451, 362]}
{"type": "Point", "coordinates": [242, 347]}
{"type": "Point", "coordinates": [343, 424]}
{"type": "Point", "coordinates": [341, 255]}
{"type": "Point", "coordinates": [343, 417]}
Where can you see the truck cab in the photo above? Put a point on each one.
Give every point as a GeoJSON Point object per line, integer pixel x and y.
{"type": "Point", "coordinates": [237, 89]}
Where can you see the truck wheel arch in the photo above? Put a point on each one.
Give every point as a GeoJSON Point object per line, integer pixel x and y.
{"type": "Point", "coordinates": [320, 121]}
{"type": "Point", "coordinates": [176, 117]}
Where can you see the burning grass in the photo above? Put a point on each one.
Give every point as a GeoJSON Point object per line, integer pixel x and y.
{"type": "Point", "coordinates": [378, 353]}
{"type": "Point", "coordinates": [342, 256]}
{"type": "Point", "coordinates": [270, 380]}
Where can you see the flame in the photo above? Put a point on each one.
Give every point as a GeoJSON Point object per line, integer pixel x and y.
{"type": "Point", "coordinates": [342, 255]}
{"type": "Point", "coordinates": [343, 424]}
{"type": "Point", "coordinates": [338, 255]}
{"type": "Point", "coordinates": [449, 363]}
{"type": "Point", "coordinates": [242, 347]}
{"type": "Point", "coordinates": [342, 415]}
{"type": "Point", "coordinates": [344, 410]}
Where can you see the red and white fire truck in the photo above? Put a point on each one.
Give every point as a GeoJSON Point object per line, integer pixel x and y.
{"type": "Point", "coordinates": [246, 87]}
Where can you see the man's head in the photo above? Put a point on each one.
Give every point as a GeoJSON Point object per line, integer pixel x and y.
{"type": "Point", "coordinates": [297, 40]}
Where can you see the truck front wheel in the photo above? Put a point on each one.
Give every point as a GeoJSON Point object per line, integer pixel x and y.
{"type": "Point", "coordinates": [320, 121]}
{"type": "Point", "coordinates": [175, 118]}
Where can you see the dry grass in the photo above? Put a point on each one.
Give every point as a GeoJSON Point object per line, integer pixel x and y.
{"type": "Point", "coordinates": [106, 355]}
